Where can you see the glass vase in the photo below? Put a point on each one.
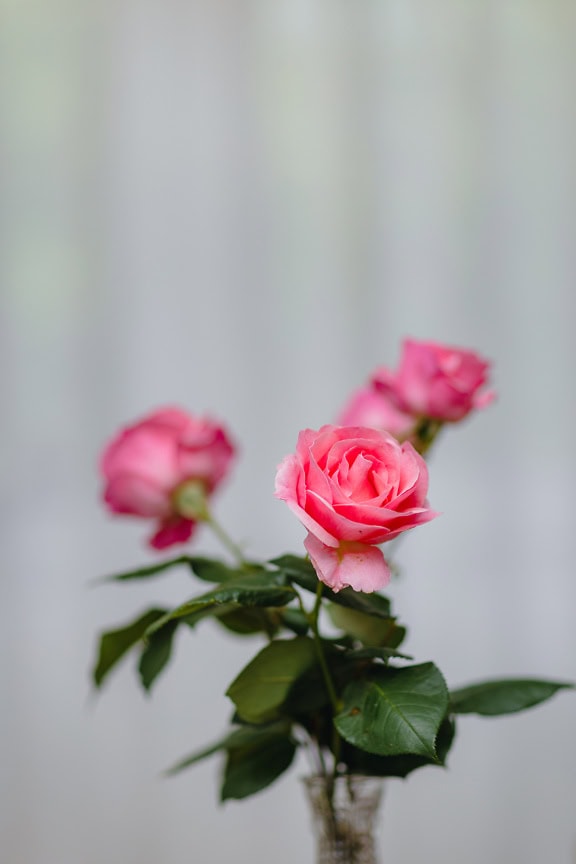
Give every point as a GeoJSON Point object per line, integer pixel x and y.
{"type": "Point", "coordinates": [344, 823]}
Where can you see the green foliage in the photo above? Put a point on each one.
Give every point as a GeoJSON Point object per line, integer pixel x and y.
{"type": "Point", "coordinates": [301, 571]}
{"type": "Point", "coordinates": [360, 762]}
{"type": "Point", "coordinates": [148, 571]}
{"type": "Point", "coordinates": [255, 757]}
{"type": "Point", "coordinates": [116, 643]}
{"type": "Point", "coordinates": [211, 570]}
{"type": "Point", "coordinates": [505, 696]}
{"type": "Point", "coordinates": [248, 621]}
{"type": "Point", "coordinates": [262, 687]}
{"type": "Point", "coordinates": [255, 766]}
{"type": "Point", "coordinates": [375, 654]}
{"type": "Point", "coordinates": [368, 629]}
{"type": "Point", "coordinates": [295, 620]}
{"type": "Point", "coordinates": [392, 720]}
{"type": "Point", "coordinates": [156, 654]}
{"type": "Point", "coordinates": [253, 589]}
{"type": "Point", "coordinates": [393, 712]}
{"type": "Point", "coordinates": [307, 695]}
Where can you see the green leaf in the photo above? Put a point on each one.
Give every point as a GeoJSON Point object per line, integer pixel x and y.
{"type": "Point", "coordinates": [261, 688]}
{"type": "Point", "coordinates": [377, 653]}
{"type": "Point", "coordinates": [156, 654]}
{"type": "Point", "coordinates": [211, 570]}
{"type": "Point", "coordinates": [295, 620]}
{"type": "Point", "coordinates": [188, 761]}
{"type": "Point", "coordinates": [115, 643]}
{"type": "Point", "coordinates": [301, 571]}
{"type": "Point", "coordinates": [238, 739]}
{"type": "Point", "coordinates": [255, 766]}
{"type": "Point", "coordinates": [367, 628]}
{"type": "Point", "coordinates": [307, 696]}
{"type": "Point", "coordinates": [148, 571]}
{"type": "Point", "coordinates": [395, 711]}
{"type": "Point", "coordinates": [255, 589]}
{"type": "Point", "coordinates": [506, 696]}
{"type": "Point", "coordinates": [199, 755]}
{"type": "Point", "coordinates": [298, 569]}
{"type": "Point", "coordinates": [246, 621]}
{"type": "Point", "coordinates": [361, 762]}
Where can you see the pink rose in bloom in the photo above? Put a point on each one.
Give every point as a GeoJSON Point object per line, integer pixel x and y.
{"type": "Point", "coordinates": [368, 407]}
{"type": "Point", "coordinates": [436, 381]}
{"type": "Point", "coordinates": [353, 488]}
{"type": "Point", "coordinates": [146, 464]}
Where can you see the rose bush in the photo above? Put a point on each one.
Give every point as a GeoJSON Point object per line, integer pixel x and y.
{"type": "Point", "coordinates": [344, 695]}
{"type": "Point", "coordinates": [435, 381]}
{"type": "Point", "coordinates": [353, 488]}
{"type": "Point", "coordinates": [146, 465]}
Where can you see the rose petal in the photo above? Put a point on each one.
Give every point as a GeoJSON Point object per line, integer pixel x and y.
{"type": "Point", "coordinates": [149, 453]}
{"type": "Point", "coordinates": [136, 496]}
{"type": "Point", "coordinates": [351, 565]}
{"type": "Point", "coordinates": [171, 531]}
{"type": "Point", "coordinates": [290, 486]}
{"type": "Point", "coordinates": [368, 407]}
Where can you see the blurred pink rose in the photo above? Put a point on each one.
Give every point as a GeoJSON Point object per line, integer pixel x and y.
{"type": "Point", "coordinates": [353, 488]}
{"type": "Point", "coordinates": [435, 381]}
{"type": "Point", "coordinates": [145, 465]}
{"type": "Point", "coordinates": [368, 407]}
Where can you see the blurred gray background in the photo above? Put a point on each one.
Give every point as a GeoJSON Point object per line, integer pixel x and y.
{"type": "Point", "coordinates": [242, 207]}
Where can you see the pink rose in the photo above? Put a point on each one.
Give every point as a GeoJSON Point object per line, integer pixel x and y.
{"type": "Point", "coordinates": [368, 407]}
{"type": "Point", "coordinates": [146, 464]}
{"type": "Point", "coordinates": [353, 488]}
{"type": "Point", "coordinates": [436, 381]}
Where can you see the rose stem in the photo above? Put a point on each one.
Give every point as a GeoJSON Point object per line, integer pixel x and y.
{"type": "Point", "coordinates": [225, 539]}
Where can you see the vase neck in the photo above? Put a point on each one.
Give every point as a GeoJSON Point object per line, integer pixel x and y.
{"type": "Point", "coordinates": [344, 817]}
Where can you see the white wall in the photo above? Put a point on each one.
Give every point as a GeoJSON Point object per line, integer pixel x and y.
{"type": "Point", "coordinates": [243, 207]}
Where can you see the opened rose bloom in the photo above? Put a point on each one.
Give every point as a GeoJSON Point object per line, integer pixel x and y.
{"type": "Point", "coordinates": [149, 466]}
{"type": "Point", "coordinates": [435, 381]}
{"type": "Point", "coordinates": [353, 488]}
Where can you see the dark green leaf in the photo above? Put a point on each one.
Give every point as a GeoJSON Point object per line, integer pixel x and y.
{"type": "Point", "coordinates": [395, 711]}
{"type": "Point", "coordinates": [294, 619]}
{"type": "Point", "coordinates": [148, 571]}
{"type": "Point", "coordinates": [307, 695]}
{"type": "Point", "coordinates": [115, 643]}
{"type": "Point", "coordinates": [156, 654]}
{"type": "Point", "coordinates": [254, 767]}
{"type": "Point", "coordinates": [260, 689]}
{"type": "Point", "coordinates": [255, 589]}
{"type": "Point", "coordinates": [211, 570]}
{"type": "Point", "coordinates": [196, 757]}
{"type": "Point", "coordinates": [235, 740]}
{"type": "Point", "coordinates": [301, 571]}
{"type": "Point", "coordinates": [297, 566]}
{"type": "Point", "coordinates": [379, 653]}
{"type": "Point", "coordinates": [361, 762]}
{"type": "Point", "coordinates": [492, 698]}
{"type": "Point", "coordinates": [247, 621]}
{"type": "Point", "coordinates": [367, 628]}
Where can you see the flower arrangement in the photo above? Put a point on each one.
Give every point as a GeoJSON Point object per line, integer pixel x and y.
{"type": "Point", "coordinates": [331, 675]}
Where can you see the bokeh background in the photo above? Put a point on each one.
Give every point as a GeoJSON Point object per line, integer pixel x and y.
{"type": "Point", "coordinates": [242, 207]}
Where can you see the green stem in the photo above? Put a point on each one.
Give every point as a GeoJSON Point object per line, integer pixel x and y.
{"type": "Point", "coordinates": [336, 740]}
{"type": "Point", "coordinates": [320, 651]}
{"type": "Point", "coordinates": [425, 434]}
{"type": "Point", "coordinates": [225, 539]}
